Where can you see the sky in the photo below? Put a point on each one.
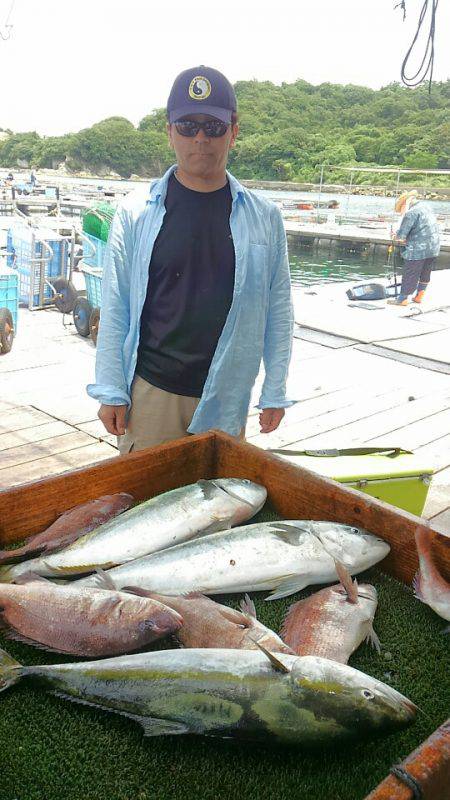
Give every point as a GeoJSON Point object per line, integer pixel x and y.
{"type": "Point", "coordinates": [70, 63]}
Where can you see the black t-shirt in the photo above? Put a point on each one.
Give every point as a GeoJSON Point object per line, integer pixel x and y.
{"type": "Point", "coordinates": [189, 292]}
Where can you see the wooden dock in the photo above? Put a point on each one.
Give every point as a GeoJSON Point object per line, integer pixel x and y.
{"type": "Point", "coordinates": [355, 235]}
{"type": "Point", "coordinates": [347, 395]}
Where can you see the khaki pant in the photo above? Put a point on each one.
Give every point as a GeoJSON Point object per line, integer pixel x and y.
{"type": "Point", "coordinates": [155, 417]}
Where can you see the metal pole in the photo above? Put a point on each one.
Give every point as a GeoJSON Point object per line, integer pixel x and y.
{"type": "Point", "coordinates": [32, 263]}
{"type": "Point", "coordinates": [348, 192]}
{"type": "Point", "coordinates": [72, 253]}
{"type": "Point", "coordinates": [320, 192]}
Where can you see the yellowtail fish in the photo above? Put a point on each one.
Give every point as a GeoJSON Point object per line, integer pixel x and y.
{"type": "Point", "coordinates": [281, 556]}
{"type": "Point", "coordinates": [155, 524]}
{"type": "Point", "coordinates": [243, 694]}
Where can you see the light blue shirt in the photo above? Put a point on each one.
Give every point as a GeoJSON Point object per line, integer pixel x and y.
{"type": "Point", "coordinates": [421, 231]}
{"type": "Point", "coordinates": [259, 324]}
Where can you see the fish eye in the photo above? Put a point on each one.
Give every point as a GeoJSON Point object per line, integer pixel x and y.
{"type": "Point", "coordinates": [367, 694]}
{"type": "Point", "coordinates": [354, 530]}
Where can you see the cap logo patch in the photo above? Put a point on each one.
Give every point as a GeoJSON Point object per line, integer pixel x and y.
{"type": "Point", "coordinates": [199, 88]}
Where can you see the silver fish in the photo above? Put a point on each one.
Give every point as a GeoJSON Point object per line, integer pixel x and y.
{"type": "Point", "coordinates": [161, 522]}
{"type": "Point", "coordinates": [282, 556]}
{"type": "Point", "coordinates": [246, 694]}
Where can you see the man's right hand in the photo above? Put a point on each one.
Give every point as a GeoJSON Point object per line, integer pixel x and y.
{"type": "Point", "coordinates": [113, 418]}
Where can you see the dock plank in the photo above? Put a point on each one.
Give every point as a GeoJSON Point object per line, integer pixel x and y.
{"type": "Point", "coordinates": [438, 499]}
{"type": "Point", "coordinates": [35, 434]}
{"type": "Point", "coordinates": [421, 432]}
{"type": "Point", "coordinates": [441, 522]}
{"type": "Point", "coordinates": [355, 422]}
{"type": "Point", "coordinates": [55, 465]}
{"type": "Point", "coordinates": [22, 417]}
{"type": "Point", "coordinates": [97, 430]}
{"type": "Point", "coordinates": [48, 447]}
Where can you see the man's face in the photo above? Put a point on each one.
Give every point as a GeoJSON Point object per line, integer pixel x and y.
{"type": "Point", "coordinates": [202, 156]}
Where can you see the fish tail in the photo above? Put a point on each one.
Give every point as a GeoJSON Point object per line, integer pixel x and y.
{"type": "Point", "coordinates": [10, 670]}
{"type": "Point", "coordinates": [7, 573]}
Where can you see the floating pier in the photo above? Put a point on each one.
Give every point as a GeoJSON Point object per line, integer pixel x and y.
{"type": "Point", "coordinates": [352, 236]}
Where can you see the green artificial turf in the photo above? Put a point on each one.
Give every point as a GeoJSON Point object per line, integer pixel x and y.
{"type": "Point", "coordinates": [51, 749]}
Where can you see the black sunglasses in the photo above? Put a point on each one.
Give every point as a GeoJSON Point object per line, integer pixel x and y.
{"type": "Point", "coordinates": [212, 128]}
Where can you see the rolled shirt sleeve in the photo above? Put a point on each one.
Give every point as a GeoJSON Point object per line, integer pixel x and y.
{"type": "Point", "coordinates": [110, 385]}
{"type": "Point", "coordinates": [279, 324]}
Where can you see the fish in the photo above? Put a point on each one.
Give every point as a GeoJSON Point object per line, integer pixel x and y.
{"type": "Point", "coordinates": [333, 622]}
{"type": "Point", "coordinates": [256, 695]}
{"type": "Point", "coordinates": [284, 557]}
{"type": "Point", "coordinates": [70, 526]}
{"type": "Point", "coordinates": [83, 622]}
{"type": "Point", "coordinates": [158, 523]}
{"type": "Point", "coordinates": [429, 585]}
{"type": "Point", "coordinates": [210, 624]}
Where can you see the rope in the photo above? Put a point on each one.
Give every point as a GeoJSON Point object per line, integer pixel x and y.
{"type": "Point", "coordinates": [409, 781]}
{"type": "Point", "coordinates": [427, 64]}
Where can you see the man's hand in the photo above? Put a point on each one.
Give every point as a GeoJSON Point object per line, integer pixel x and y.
{"type": "Point", "coordinates": [270, 418]}
{"type": "Point", "coordinates": [113, 418]}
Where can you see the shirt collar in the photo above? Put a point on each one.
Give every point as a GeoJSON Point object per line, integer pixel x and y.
{"type": "Point", "coordinates": [158, 189]}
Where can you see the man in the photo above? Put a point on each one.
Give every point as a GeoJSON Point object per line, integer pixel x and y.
{"type": "Point", "coordinates": [196, 288]}
{"type": "Point", "coordinates": [419, 233]}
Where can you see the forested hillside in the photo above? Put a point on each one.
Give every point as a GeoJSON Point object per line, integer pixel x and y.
{"type": "Point", "coordinates": [286, 131]}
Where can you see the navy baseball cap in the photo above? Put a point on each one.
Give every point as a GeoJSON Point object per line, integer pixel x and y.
{"type": "Point", "coordinates": [201, 90]}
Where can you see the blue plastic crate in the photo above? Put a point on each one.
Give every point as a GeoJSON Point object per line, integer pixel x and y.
{"type": "Point", "coordinates": [23, 258]}
{"type": "Point", "coordinates": [94, 259]}
{"type": "Point", "coordinates": [9, 292]}
{"type": "Point", "coordinates": [93, 280]}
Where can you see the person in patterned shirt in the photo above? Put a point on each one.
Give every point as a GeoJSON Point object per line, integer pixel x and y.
{"type": "Point", "coordinates": [419, 233]}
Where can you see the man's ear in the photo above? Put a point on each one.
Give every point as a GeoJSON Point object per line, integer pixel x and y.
{"type": "Point", "coordinates": [169, 135]}
{"type": "Point", "coordinates": [234, 134]}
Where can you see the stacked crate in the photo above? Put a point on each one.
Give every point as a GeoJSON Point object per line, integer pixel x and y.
{"type": "Point", "coordinates": [9, 292]}
{"type": "Point", "coordinates": [34, 263]}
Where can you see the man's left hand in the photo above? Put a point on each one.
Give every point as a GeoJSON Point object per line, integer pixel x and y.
{"type": "Point", "coordinates": [270, 418]}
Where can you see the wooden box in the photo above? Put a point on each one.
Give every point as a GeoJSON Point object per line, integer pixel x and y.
{"type": "Point", "coordinates": [293, 492]}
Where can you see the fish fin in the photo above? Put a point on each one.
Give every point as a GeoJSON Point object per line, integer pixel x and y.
{"type": "Point", "coordinates": [160, 727]}
{"type": "Point", "coordinates": [417, 581]}
{"type": "Point", "coordinates": [8, 557]}
{"type": "Point", "coordinates": [150, 725]}
{"type": "Point", "coordinates": [350, 586]}
{"type": "Point", "coordinates": [236, 617]}
{"type": "Point", "coordinates": [30, 577]}
{"type": "Point", "coordinates": [248, 607]}
{"type": "Point", "coordinates": [373, 640]}
{"type": "Point", "coordinates": [209, 489]}
{"type": "Point", "coordinates": [290, 585]}
{"type": "Point", "coordinates": [105, 580]}
{"type": "Point", "coordinates": [288, 533]}
{"type": "Point", "coordinates": [14, 636]}
{"type": "Point", "coordinates": [276, 663]}
{"type": "Point", "coordinates": [135, 590]}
